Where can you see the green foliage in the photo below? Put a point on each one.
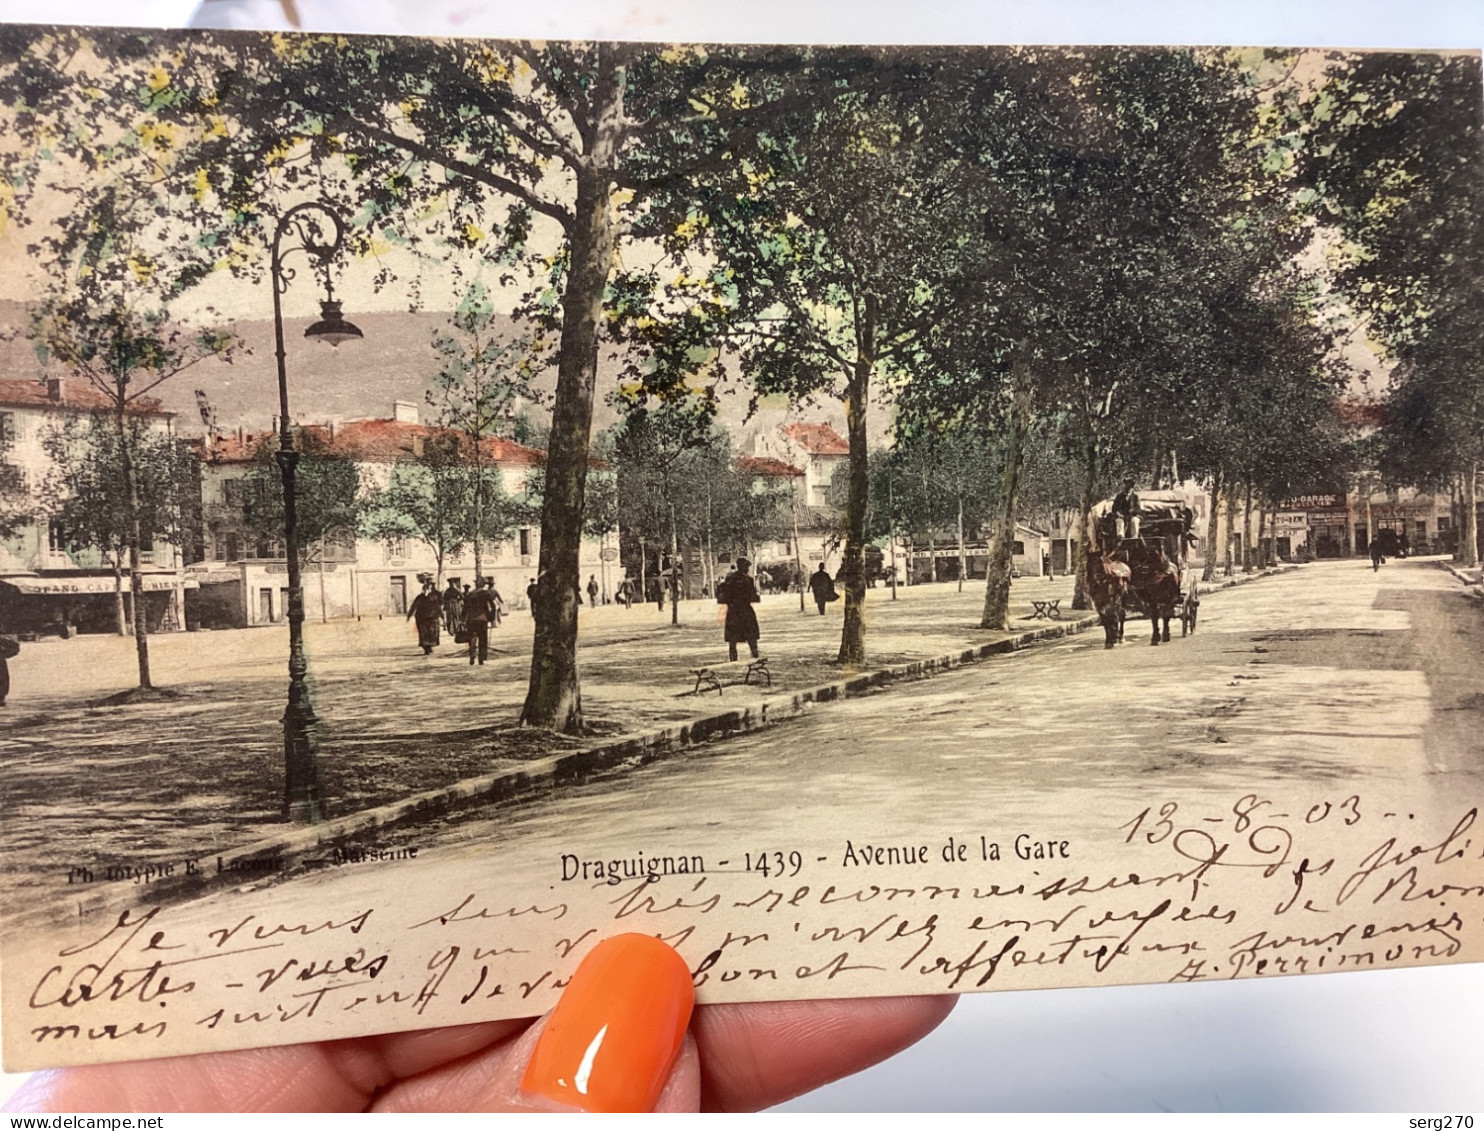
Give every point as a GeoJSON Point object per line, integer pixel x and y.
{"type": "Point", "coordinates": [328, 496]}
{"type": "Point", "coordinates": [676, 472]}
{"type": "Point", "coordinates": [1393, 153]}
{"type": "Point", "coordinates": [87, 496]}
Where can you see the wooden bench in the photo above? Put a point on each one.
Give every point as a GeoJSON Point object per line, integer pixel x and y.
{"type": "Point", "coordinates": [759, 668]}
{"type": "Point", "coordinates": [1046, 610]}
{"type": "Point", "coordinates": [707, 679]}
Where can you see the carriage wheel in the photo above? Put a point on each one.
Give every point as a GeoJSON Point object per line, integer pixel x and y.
{"type": "Point", "coordinates": [1188, 614]}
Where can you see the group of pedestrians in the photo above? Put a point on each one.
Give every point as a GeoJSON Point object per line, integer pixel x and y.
{"type": "Point", "coordinates": [467, 613]}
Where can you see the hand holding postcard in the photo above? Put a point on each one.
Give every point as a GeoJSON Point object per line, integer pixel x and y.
{"type": "Point", "coordinates": [883, 520]}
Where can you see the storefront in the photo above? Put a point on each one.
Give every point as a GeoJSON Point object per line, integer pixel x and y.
{"type": "Point", "coordinates": [33, 604]}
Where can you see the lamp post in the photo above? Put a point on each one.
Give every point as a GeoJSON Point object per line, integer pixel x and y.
{"type": "Point", "coordinates": [306, 223]}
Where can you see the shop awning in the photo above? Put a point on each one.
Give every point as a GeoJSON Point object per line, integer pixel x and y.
{"type": "Point", "coordinates": [67, 586]}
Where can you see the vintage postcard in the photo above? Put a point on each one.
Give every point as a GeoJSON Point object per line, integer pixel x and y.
{"type": "Point", "coordinates": [884, 520]}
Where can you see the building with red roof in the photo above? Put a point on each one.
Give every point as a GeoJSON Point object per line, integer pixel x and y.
{"type": "Point", "coordinates": [48, 583]}
{"type": "Point", "coordinates": [355, 575]}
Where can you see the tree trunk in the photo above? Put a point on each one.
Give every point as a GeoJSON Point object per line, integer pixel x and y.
{"type": "Point", "coordinates": [1370, 519]}
{"type": "Point", "coordinates": [1213, 529]}
{"type": "Point", "coordinates": [1231, 527]}
{"type": "Point", "coordinates": [997, 581]}
{"type": "Point", "coordinates": [478, 505]}
{"type": "Point", "coordinates": [1455, 511]}
{"type": "Point", "coordinates": [554, 699]}
{"type": "Point", "coordinates": [120, 606]}
{"type": "Point", "coordinates": [853, 561]}
{"type": "Point", "coordinates": [135, 536]}
{"type": "Point", "coordinates": [1249, 556]}
{"type": "Point", "coordinates": [1470, 516]}
{"type": "Point", "coordinates": [1077, 558]}
{"type": "Point", "coordinates": [643, 573]}
{"type": "Point", "coordinates": [675, 570]}
{"type": "Point", "coordinates": [963, 559]}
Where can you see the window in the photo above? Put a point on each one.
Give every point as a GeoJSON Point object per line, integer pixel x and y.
{"type": "Point", "coordinates": [56, 538]}
{"type": "Point", "coordinates": [525, 541]}
{"type": "Point", "coordinates": [7, 431]}
{"type": "Point", "coordinates": [232, 492]}
{"type": "Point", "coordinates": [1018, 549]}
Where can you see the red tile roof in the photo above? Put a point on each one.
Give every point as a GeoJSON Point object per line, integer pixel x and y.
{"type": "Point", "coordinates": [373, 441]}
{"type": "Point", "coordinates": [762, 465]}
{"type": "Point", "coordinates": [76, 396]}
{"type": "Point", "coordinates": [817, 439]}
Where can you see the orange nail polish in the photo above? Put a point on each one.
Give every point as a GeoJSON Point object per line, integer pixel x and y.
{"type": "Point", "coordinates": [614, 1035]}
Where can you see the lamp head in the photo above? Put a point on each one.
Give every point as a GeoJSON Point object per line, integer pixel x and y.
{"type": "Point", "coordinates": [332, 326]}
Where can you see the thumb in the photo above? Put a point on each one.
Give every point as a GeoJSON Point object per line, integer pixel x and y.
{"type": "Point", "coordinates": [616, 1041]}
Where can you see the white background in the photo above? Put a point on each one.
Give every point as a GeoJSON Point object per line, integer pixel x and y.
{"type": "Point", "coordinates": [1406, 1041]}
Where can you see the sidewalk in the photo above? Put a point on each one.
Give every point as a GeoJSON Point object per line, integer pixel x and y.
{"type": "Point", "coordinates": [1472, 576]}
{"type": "Point", "coordinates": [405, 736]}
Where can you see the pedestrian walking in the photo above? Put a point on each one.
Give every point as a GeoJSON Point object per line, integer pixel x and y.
{"type": "Point", "coordinates": [1046, 566]}
{"type": "Point", "coordinates": [10, 648]}
{"type": "Point", "coordinates": [479, 608]}
{"type": "Point", "coordinates": [1378, 559]}
{"type": "Point", "coordinates": [624, 594]}
{"type": "Point", "coordinates": [738, 592]}
{"type": "Point", "coordinates": [453, 607]}
{"type": "Point", "coordinates": [822, 585]}
{"type": "Point", "coordinates": [497, 605]}
{"type": "Point", "coordinates": [592, 590]}
{"type": "Point", "coordinates": [531, 596]}
{"type": "Point", "coordinates": [427, 607]}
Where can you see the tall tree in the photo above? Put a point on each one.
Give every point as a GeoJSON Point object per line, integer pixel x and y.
{"type": "Point", "coordinates": [826, 236]}
{"type": "Point", "coordinates": [483, 375]}
{"type": "Point", "coordinates": [429, 496]}
{"type": "Point", "coordinates": [111, 268]}
{"type": "Point", "coordinates": [1392, 149]}
{"type": "Point", "coordinates": [86, 498]}
{"type": "Point", "coordinates": [328, 492]}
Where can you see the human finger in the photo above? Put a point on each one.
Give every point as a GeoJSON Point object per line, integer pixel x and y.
{"type": "Point", "coordinates": [755, 1055]}
{"type": "Point", "coordinates": [616, 1041]}
{"type": "Point", "coordinates": [321, 1076]}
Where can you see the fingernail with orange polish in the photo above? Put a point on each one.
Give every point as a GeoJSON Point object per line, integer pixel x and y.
{"type": "Point", "coordinates": [611, 1041]}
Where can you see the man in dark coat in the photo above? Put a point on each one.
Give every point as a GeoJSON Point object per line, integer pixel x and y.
{"type": "Point", "coordinates": [738, 592]}
{"type": "Point", "coordinates": [1126, 510]}
{"type": "Point", "coordinates": [822, 586]}
{"type": "Point", "coordinates": [453, 608]}
{"type": "Point", "coordinates": [427, 607]}
{"type": "Point", "coordinates": [479, 610]}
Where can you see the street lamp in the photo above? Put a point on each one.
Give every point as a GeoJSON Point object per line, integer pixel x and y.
{"type": "Point", "coordinates": [307, 224]}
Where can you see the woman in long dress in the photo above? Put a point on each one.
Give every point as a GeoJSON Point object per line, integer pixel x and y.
{"type": "Point", "coordinates": [738, 592]}
{"type": "Point", "coordinates": [427, 607]}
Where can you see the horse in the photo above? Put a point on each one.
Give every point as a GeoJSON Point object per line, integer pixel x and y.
{"type": "Point", "coordinates": [1156, 583]}
{"type": "Point", "coordinates": [1107, 583]}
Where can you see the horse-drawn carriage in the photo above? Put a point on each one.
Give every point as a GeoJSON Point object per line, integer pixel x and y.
{"type": "Point", "coordinates": [1139, 563]}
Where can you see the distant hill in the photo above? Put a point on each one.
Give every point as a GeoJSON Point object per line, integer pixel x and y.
{"type": "Point", "coordinates": [360, 380]}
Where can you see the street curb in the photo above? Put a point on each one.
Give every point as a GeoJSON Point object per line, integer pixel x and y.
{"type": "Point", "coordinates": [317, 845]}
{"type": "Point", "coordinates": [1474, 589]}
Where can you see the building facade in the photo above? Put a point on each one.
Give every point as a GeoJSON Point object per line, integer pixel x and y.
{"type": "Point", "coordinates": [49, 583]}
{"type": "Point", "coordinates": [348, 573]}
